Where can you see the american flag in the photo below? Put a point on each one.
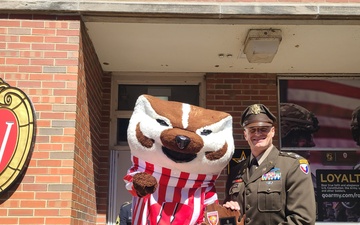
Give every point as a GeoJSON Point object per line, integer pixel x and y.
{"type": "Point", "coordinates": [332, 101]}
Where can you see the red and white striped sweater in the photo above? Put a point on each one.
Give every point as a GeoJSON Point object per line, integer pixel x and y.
{"type": "Point", "coordinates": [179, 199]}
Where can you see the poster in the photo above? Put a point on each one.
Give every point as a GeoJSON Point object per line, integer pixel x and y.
{"type": "Point", "coordinates": [239, 155]}
{"type": "Point", "coordinates": [338, 195]}
{"type": "Point", "coordinates": [326, 109]}
{"type": "Point", "coordinates": [336, 180]}
{"type": "Point", "coordinates": [319, 120]}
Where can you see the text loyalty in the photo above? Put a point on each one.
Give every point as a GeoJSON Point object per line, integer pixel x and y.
{"type": "Point", "coordinates": [337, 178]}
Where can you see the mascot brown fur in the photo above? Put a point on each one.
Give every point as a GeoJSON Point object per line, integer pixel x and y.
{"type": "Point", "coordinates": [178, 151]}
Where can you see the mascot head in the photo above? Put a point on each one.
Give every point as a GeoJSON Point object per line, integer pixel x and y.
{"type": "Point", "coordinates": [180, 136]}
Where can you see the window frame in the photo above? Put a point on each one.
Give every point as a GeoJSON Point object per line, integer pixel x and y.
{"type": "Point", "coordinates": [147, 79]}
{"type": "Point", "coordinates": [311, 77]}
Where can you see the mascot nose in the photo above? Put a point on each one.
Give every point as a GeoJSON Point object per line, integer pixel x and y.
{"type": "Point", "coordinates": [182, 141]}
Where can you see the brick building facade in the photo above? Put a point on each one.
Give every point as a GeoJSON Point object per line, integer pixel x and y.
{"type": "Point", "coordinates": [46, 51]}
{"type": "Point", "coordinates": [54, 62]}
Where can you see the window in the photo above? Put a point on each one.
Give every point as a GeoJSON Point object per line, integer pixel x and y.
{"type": "Point", "coordinates": [128, 94]}
{"type": "Point", "coordinates": [319, 120]}
{"type": "Point", "coordinates": [126, 89]}
{"type": "Point", "coordinates": [321, 107]}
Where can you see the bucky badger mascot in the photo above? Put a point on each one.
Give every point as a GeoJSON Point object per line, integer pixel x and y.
{"type": "Point", "coordinates": [178, 150]}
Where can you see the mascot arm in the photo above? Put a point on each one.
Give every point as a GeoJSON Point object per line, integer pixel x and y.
{"type": "Point", "coordinates": [210, 196]}
{"type": "Point", "coordinates": [140, 184]}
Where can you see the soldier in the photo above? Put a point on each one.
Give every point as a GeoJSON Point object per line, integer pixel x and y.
{"type": "Point", "coordinates": [355, 130]}
{"type": "Point", "coordinates": [269, 187]}
{"type": "Point", "coordinates": [125, 215]}
{"type": "Point", "coordinates": [297, 126]}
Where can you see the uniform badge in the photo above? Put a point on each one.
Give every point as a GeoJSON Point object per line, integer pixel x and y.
{"type": "Point", "coordinates": [273, 174]}
{"type": "Point", "coordinates": [303, 161]}
{"type": "Point", "coordinates": [304, 168]}
{"type": "Point", "coordinates": [255, 109]}
{"type": "Point", "coordinates": [237, 181]}
{"type": "Point", "coordinates": [213, 217]}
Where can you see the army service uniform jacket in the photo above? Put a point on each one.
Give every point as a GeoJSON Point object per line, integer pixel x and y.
{"type": "Point", "coordinates": [125, 215]}
{"type": "Point", "coordinates": [280, 191]}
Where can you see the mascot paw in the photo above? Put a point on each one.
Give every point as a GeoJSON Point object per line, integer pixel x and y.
{"type": "Point", "coordinates": [217, 212]}
{"type": "Point", "coordinates": [144, 184]}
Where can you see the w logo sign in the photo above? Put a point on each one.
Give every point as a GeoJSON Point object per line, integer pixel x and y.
{"type": "Point", "coordinates": [8, 142]}
{"type": "Point", "coordinates": [17, 134]}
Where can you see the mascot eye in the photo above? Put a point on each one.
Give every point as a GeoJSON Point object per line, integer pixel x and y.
{"type": "Point", "coordinates": [206, 132]}
{"type": "Point", "coordinates": [162, 122]}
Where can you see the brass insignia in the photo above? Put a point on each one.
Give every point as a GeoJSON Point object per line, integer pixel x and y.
{"type": "Point", "coordinates": [255, 109]}
{"type": "Point", "coordinates": [303, 161]}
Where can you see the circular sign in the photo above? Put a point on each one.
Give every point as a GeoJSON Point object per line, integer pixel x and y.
{"type": "Point", "coordinates": [17, 134]}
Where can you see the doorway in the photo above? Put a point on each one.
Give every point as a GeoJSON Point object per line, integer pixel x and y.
{"type": "Point", "coordinates": [187, 88]}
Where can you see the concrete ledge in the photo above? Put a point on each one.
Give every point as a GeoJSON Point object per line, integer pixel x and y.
{"type": "Point", "coordinates": [181, 9]}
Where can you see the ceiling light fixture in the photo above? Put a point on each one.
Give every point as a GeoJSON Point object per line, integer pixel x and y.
{"type": "Point", "coordinates": [261, 45]}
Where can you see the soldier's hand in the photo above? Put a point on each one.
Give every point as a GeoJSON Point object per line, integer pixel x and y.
{"type": "Point", "coordinates": [232, 205]}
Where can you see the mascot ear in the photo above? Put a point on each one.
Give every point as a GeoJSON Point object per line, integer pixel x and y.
{"type": "Point", "coordinates": [140, 104]}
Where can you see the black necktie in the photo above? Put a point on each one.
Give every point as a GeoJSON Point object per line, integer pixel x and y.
{"type": "Point", "coordinates": [253, 164]}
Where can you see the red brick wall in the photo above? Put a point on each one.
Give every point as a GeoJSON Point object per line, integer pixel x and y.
{"type": "Point", "coordinates": [92, 132]}
{"type": "Point", "coordinates": [66, 181]}
{"type": "Point", "coordinates": [232, 93]}
{"type": "Point", "coordinates": [53, 61]}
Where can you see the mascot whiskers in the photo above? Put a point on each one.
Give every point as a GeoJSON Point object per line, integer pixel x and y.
{"type": "Point", "coordinates": [178, 151]}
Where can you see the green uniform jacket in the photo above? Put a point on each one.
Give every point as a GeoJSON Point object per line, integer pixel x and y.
{"type": "Point", "coordinates": [280, 191]}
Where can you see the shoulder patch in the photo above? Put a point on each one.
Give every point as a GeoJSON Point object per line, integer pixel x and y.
{"type": "Point", "coordinates": [304, 168]}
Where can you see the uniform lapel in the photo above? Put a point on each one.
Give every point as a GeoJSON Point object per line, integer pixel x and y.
{"type": "Point", "coordinates": [244, 171]}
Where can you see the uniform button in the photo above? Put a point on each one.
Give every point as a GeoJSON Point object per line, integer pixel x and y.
{"type": "Point", "coordinates": [247, 191]}
{"type": "Point", "coordinates": [268, 190]}
{"type": "Point", "coordinates": [248, 207]}
{"type": "Point", "coordinates": [247, 220]}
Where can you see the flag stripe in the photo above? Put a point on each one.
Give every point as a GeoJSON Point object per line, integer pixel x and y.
{"type": "Point", "coordinates": [330, 132]}
{"type": "Point", "coordinates": [325, 110]}
{"type": "Point", "coordinates": [322, 98]}
{"type": "Point", "coordinates": [332, 102]}
{"type": "Point", "coordinates": [331, 87]}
